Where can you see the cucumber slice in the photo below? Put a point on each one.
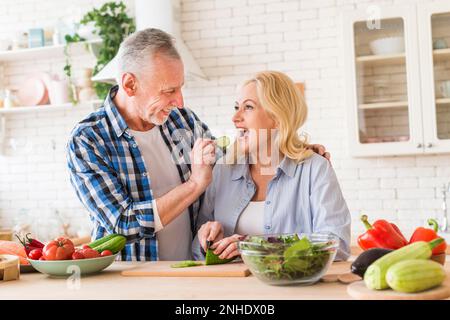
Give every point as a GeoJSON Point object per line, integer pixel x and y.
{"type": "Point", "coordinates": [185, 264]}
{"type": "Point", "coordinates": [223, 142]}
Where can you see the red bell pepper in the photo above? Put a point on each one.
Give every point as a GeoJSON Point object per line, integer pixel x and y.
{"type": "Point", "coordinates": [426, 234]}
{"type": "Point", "coordinates": [30, 243]}
{"type": "Point", "coordinates": [381, 234]}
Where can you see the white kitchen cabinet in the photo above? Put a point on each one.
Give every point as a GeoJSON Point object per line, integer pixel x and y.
{"type": "Point", "coordinates": [434, 38]}
{"type": "Point", "coordinates": [392, 104]}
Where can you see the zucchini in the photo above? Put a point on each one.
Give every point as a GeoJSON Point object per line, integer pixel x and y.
{"type": "Point", "coordinates": [102, 240]}
{"type": "Point", "coordinates": [375, 275]}
{"type": "Point", "coordinates": [415, 275]}
{"type": "Point", "coordinates": [114, 244]}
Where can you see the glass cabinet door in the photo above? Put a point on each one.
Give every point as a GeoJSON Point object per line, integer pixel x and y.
{"type": "Point", "coordinates": [440, 31]}
{"type": "Point", "coordinates": [381, 81]}
{"type": "Point", "coordinates": [434, 37]}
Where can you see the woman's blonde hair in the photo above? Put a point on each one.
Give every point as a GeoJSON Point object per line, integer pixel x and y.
{"type": "Point", "coordinates": [283, 101]}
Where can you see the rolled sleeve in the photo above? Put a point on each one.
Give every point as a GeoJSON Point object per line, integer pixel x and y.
{"type": "Point", "coordinates": [103, 194]}
{"type": "Point", "coordinates": [330, 211]}
{"type": "Point", "coordinates": [158, 223]}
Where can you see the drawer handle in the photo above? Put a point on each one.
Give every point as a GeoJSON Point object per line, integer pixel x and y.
{"type": "Point", "coordinates": [429, 145]}
{"type": "Point", "coordinates": [419, 145]}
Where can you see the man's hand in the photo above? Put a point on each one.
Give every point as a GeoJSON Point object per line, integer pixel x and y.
{"type": "Point", "coordinates": [319, 149]}
{"type": "Point", "coordinates": [210, 231]}
{"type": "Point", "coordinates": [202, 157]}
{"type": "Point", "coordinates": [174, 202]}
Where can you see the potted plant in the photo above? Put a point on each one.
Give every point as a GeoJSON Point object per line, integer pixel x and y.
{"type": "Point", "coordinates": [112, 24]}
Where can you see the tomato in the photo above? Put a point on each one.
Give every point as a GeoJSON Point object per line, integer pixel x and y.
{"type": "Point", "coordinates": [106, 253]}
{"type": "Point", "coordinates": [85, 246]}
{"type": "Point", "coordinates": [58, 249]}
{"type": "Point", "coordinates": [35, 254]}
{"type": "Point", "coordinates": [77, 255]}
{"type": "Point", "coordinates": [42, 258]}
{"type": "Point", "coordinates": [90, 253]}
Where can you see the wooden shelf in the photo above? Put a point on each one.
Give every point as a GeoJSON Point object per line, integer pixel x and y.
{"type": "Point", "coordinates": [441, 54]}
{"type": "Point", "coordinates": [49, 107]}
{"type": "Point", "coordinates": [44, 52]}
{"type": "Point", "coordinates": [443, 101]}
{"type": "Point", "coordinates": [382, 59]}
{"type": "Point", "coordinates": [395, 104]}
{"type": "Point", "coordinates": [383, 105]}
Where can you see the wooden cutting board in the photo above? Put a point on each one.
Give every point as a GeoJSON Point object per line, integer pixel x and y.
{"type": "Point", "coordinates": [163, 269]}
{"type": "Point", "coordinates": [358, 290]}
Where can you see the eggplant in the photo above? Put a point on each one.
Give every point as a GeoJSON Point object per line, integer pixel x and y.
{"type": "Point", "coordinates": [365, 259]}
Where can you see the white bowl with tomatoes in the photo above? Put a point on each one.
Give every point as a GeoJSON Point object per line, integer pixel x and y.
{"type": "Point", "coordinates": [59, 257]}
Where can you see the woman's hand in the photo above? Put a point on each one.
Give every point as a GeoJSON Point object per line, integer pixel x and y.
{"type": "Point", "coordinates": [210, 231]}
{"type": "Point", "coordinates": [227, 247]}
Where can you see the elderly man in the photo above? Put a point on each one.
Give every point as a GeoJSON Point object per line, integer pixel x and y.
{"type": "Point", "coordinates": [128, 162]}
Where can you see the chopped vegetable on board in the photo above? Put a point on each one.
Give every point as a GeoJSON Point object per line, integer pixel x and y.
{"type": "Point", "coordinates": [186, 263]}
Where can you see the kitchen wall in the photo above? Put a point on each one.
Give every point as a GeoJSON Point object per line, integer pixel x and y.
{"type": "Point", "coordinates": [230, 39]}
{"type": "Point", "coordinates": [34, 184]}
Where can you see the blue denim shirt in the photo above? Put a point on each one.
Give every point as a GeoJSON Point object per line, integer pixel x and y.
{"type": "Point", "coordinates": [302, 197]}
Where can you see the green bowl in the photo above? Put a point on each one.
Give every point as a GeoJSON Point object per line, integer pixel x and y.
{"type": "Point", "coordinates": [66, 268]}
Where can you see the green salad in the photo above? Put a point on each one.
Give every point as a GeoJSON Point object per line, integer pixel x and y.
{"type": "Point", "coordinates": [284, 257]}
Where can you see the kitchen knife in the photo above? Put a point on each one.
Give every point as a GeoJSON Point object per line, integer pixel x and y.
{"type": "Point", "coordinates": [208, 244]}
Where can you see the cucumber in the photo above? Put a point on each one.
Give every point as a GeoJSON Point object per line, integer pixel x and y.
{"type": "Point", "coordinates": [212, 258]}
{"type": "Point", "coordinates": [102, 240]}
{"type": "Point", "coordinates": [114, 244]}
{"type": "Point", "coordinates": [375, 275]}
{"type": "Point", "coordinates": [223, 142]}
{"type": "Point", "coordinates": [415, 275]}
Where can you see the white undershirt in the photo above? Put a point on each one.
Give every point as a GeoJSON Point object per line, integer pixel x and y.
{"type": "Point", "coordinates": [251, 220]}
{"type": "Point", "coordinates": [174, 239]}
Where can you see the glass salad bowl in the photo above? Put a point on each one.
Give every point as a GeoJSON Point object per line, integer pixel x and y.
{"type": "Point", "coordinates": [284, 259]}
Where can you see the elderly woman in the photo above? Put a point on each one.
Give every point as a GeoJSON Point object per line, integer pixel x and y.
{"type": "Point", "coordinates": [274, 184]}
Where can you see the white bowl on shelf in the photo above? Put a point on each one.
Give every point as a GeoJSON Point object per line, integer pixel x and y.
{"type": "Point", "coordinates": [5, 44]}
{"type": "Point", "coordinates": [388, 45]}
{"type": "Point", "coordinates": [87, 31]}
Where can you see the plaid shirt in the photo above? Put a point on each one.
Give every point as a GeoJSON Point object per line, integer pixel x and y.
{"type": "Point", "coordinates": [109, 175]}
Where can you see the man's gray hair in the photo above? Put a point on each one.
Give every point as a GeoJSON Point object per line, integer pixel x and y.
{"type": "Point", "coordinates": [138, 48]}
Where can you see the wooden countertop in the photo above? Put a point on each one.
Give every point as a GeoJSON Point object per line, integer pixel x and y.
{"type": "Point", "coordinates": [109, 284]}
